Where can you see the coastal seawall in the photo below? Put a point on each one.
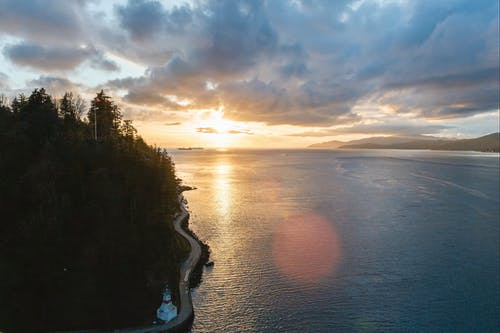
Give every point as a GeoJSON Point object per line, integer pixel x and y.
{"type": "Point", "coordinates": [185, 313]}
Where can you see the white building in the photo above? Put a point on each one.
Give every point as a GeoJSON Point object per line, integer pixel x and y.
{"type": "Point", "coordinates": [167, 310]}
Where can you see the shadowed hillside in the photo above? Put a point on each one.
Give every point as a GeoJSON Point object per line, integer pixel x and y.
{"type": "Point", "coordinates": [86, 212]}
{"type": "Point", "coordinates": [487, 143]}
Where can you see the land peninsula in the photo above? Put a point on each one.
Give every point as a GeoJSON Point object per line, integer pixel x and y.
{"type": "Point", "coordinates": [87, 217]}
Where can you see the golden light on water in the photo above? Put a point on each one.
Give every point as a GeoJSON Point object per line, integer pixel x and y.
{"type": "Point", "coordinates": [222, 172]}
{"type": "Point", "coordinates": [223, 169]}
{"type": "Point", "coordinates": [306, 247]}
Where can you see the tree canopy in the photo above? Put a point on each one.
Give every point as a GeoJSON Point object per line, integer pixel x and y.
{"type": "Point", "coordinates": [87, 239]}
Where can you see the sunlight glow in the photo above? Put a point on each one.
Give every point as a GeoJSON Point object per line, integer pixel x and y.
{"type": "Point", "coordinates": [217, 131]}
{"type": "Point", "coordinates": [217, 121]}
{"type": "Point", "coordinates": [223, 194]}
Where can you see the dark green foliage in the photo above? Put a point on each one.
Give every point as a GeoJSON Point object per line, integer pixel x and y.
{"type": "Point", "coordinates": [71, 108]}
{"type": "Point", "coordinates": [87, 236]}
{"type": "Point", "coordinates": [18, 103]}
{"type": "Point", "coordinates": [104, 117]}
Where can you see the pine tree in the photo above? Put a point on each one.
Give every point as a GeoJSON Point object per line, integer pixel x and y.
{"type": "Point", "coordinates": [18, 103]}
{"type": "Point", "coordinates": [66, 108]}
{"type": "Point", "coordinates": [40, 114]}
{"type": "Point", "coordinates": [128, 130]}
{"type": "Point", "coordinates": [104, 117]}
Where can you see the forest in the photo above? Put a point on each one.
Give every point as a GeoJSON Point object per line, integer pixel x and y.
{"type": "Point", "coordinates": [86, 210]}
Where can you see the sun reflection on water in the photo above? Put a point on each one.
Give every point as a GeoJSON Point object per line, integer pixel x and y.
{"type": "Point", "coordinates": [223, 190]}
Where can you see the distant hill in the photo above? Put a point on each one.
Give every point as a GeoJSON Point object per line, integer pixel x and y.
{"type": "Point", "coordinates": [330, 144]}
{"type": "Point", "coordinates": [375, 140]}
{"type": "Point", "coordinates": [489, 143]}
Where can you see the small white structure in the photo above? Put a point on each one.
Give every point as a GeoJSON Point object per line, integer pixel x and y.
{"type": "Point", "coordinates": [167, 310]}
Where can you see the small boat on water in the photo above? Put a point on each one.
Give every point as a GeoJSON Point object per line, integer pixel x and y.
{"type": "Point", "coordinates": [167, 310]}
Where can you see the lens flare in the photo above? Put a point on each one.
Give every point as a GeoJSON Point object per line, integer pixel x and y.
{"type": "Point", "coordinates": [306, 247]}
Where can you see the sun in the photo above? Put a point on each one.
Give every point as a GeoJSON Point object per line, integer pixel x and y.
{"type": "Point", "coordinates": [217, 131]}
{"type": "Point", "coordinates": [218, 123]}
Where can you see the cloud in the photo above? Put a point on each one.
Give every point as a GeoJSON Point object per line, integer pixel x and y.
{"type": "Point", "coordinates": [147, 19]}
{"type": "Point", "coordinates": [142, 19]}
{"type": "Point", "coordinates": [99, 61]}
{"type": "Point", "coordinates": [55, 85]}
{"type": "Point", "coordinates": [350, 64]}
{"type": "Point", "coordinates": [4, 81]}
{"type": "Point", "coordinates": [56, 59]}
{"type": "Point", "coordinates": [228, 22]}
{"type": "Point", "coordinates": [297, 69]}
{"type": "Point", "coordinates": [211, 130]}
{"type": "Point", "coordinates": [247, 132]}
{"type": "Point", "coordinates": [304, 63]}
{"type": "Point", "coordinates": [307, 104]}
{"type": "Point", "coordinates": [177, 123]}
{"type": "Point", "coordinates": [147, 98]}
{"type": "Point", "coordinates": [54, 21]}
{"type": "Point", "coordinates": [444, 102]}
{"type": "Point", "coordinates": [45, 59]}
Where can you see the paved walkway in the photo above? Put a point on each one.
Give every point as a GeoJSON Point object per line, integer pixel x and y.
{"type": "Point", "coordinates": [185, 310]}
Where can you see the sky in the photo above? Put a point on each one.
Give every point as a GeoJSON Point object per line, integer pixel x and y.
{"type": "Point", "coordinates": [257, 73]}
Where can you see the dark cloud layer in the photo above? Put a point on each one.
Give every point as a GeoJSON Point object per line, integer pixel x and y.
{"type": "Point", "coordinates": [45, 59]}
{"type": "Point", "coordinates": [54, 85]}
{"type": "Point", "coordinates": [142, 19]}
{"type": "Point", "coordinates": [312, 70]}
{"type": "Point", "coordinates": [279, 62]}
{"type": "Point", "coordinates": [56, 21]}
{"type": "Point", "coordinates": [48, 59]}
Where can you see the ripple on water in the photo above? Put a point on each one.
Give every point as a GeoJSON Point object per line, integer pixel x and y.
{"type": "Point", "coordinates": [417, 237]}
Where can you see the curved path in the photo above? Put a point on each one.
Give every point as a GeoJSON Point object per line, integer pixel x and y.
{"type": "Point", "coordinates": [185, 310]}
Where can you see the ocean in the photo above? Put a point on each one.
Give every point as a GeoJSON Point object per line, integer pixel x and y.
{"type": "Point", "coordinates": [345, 241]}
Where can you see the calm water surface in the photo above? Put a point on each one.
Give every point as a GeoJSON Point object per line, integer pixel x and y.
{"type": "Point", "coordinates": [336, 241]}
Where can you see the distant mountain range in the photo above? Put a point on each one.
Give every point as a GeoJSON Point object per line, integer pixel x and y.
{"type": "Point", "coordinates": [487, 143]}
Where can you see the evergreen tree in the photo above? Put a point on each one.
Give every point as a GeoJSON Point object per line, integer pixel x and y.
{"type": "Point", "coordinates": [127, 130]}
{"type": "Point", "coordinates": [18, 103]}
{"type": "Point", "coordinates": [40, 114]}
{"type": "Point", "coordinates": [104, 117]}
{"type": "Point", "coordinates": [69, 107]}
{"type": "Point", "coordinates": [4, 107]}
{"type": "Point", "coordinates": [77, 216]}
